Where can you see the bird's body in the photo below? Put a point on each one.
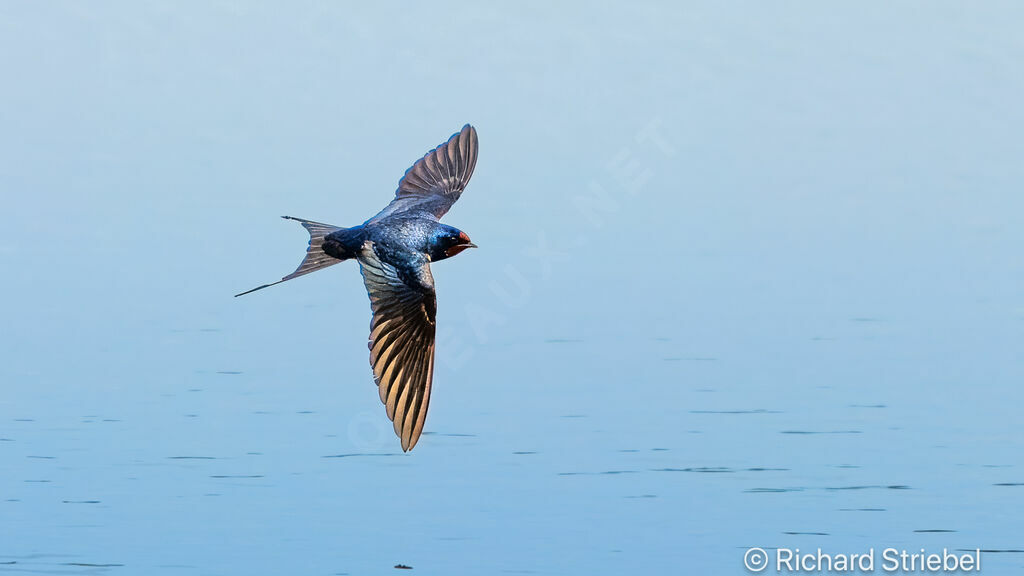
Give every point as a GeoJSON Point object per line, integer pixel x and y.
{"type": "Point", "coordinates": [394, 250]}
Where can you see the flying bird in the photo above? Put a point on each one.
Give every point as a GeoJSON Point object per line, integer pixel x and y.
{"type": "Point", "coordinates": [394, 250]}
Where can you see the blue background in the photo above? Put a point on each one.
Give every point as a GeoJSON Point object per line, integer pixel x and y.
{"type": "Point", "coordinates": [750, 275]}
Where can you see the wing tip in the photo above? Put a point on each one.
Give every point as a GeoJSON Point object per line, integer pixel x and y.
{"type": "Point", "coordinates": [410, 442]}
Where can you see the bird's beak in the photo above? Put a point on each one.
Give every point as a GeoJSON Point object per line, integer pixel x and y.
{"type": "Point", "coordinates": [471, 245]}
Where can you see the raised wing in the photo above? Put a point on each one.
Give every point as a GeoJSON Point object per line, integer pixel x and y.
{"type": "Point", "coordinates": [401, 340]}
{"type": "Point", "coordinates": [437, 180]}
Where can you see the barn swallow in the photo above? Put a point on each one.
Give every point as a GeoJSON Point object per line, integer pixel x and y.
{"type": "Point", "coordinates": [394, 250]}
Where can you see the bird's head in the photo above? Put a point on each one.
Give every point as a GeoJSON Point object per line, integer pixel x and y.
{"type": "Point", "coordinates": [448, 242]}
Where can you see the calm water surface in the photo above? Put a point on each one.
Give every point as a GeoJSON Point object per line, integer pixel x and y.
{"type": "Point", "coordinates": [749, 276]}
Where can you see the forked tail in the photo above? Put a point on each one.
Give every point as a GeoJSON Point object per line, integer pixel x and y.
{"type": "Point", "coordinates": [315, 259]}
